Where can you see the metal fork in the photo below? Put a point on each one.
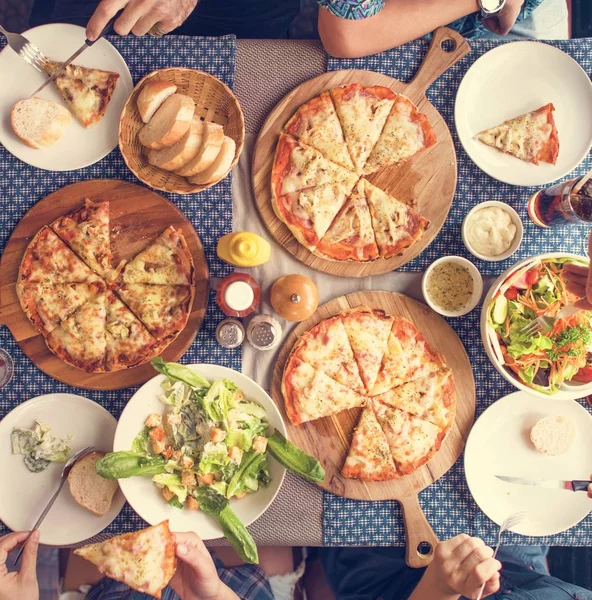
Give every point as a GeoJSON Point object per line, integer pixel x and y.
{"type": "Point", "coordinates": [511, 521]}
{"type": "Point", "coordinates": [543, 324]}
{"type": "Point", "coordinates": [25, 49]}
{"type": "Point", "coordinates": [65, 472]}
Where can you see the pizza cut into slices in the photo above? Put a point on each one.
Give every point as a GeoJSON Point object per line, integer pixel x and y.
{"type": "Point", "coordinates": [368, 332]}
{"type": "Point", "coordinates": [406, 132]}
{"type": "Point", "coordinates": [431, 398]}
{"type": "Point", "coordinates": [87, 91]}
{"type": "Point", "coordinates": [144, 560]}
{"type": "Point", "coordinates": [297, 166]}
{"type": "Point", "coordinates": [167, 261]}
{"type": "Point", "coordinates": [86, 231]}
{"type": "Point", "coordinates": [309, 213]}
{"type": "Point", "coordinates": [363, 112]}
{"type": "Point", "coordinates": [350, 236]}
{"type": "Point", "coordinates": [326, 348]}
{"type": "Point", "coordinates": [396, 225]}
{"type": "Point", "coordinates": [369, 456]}
{"type": "Point", "coordinates": [316, 124]}
{"type": "Point", "coordinates": [309, 394]}
{"type": "Point", "coordinates": [531, 137]}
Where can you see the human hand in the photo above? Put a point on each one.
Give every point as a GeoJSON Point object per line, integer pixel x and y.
{"type": "Point", "coordinates": [139, 16]}
{"type": "Point", "coordinates": [590, 488]}
{"type": "Point", "coordinates": [503, 22]}
{"type": "Point", "coordinates": [19, 584]}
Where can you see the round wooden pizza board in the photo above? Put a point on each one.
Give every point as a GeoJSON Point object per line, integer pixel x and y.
{"type": "Point", "coordinates": [427, 181]}
{"type": "Point", "coordinates": [328, 439]}
{"type": "Point", "coordinates": [138, 216]}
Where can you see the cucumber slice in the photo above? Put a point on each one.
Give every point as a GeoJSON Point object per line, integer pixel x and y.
{"type": "Point", "coordinates": [500, 310]}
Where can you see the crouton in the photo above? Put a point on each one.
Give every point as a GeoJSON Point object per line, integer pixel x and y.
{"type": "Point", "coordinates": [157, 434]}
{"type": "Point", "coordinates": [186, 462]}
{"type": "Point", "coordinates": [167, 494]}
{"type": "Point", "coordinates": [217, 435]}
{"type": "Point", "coordinates": [240, 495]}
{"type": "Point", "coordinates": [206, 478]}
{"type": "Point", "coordinates": [153, 420]}
{"type": "Point", "coordinates": [168, 452]}
{"type": "Point", "coordinates": [188, 479]}
{"type": "Point", "coordinates": [191, 503]}
{"type": "Point", "coordinates": [260, 444]}
{"type": "Point", "coordinates": [177, 454]}
{"type": "Point", "coordinates": [235, 454]}
{"type": "Point", "coordinates": [157, 447]}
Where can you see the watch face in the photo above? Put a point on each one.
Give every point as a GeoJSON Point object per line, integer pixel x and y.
{"type": "Point", "coordinates": [492, 6]}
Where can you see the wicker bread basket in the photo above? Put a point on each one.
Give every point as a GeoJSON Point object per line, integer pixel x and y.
{"type": "Point", "coordinates": [214, 101]}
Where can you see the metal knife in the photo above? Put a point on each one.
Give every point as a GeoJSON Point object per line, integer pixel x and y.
{"type": "Point", "coordinates": [87, 44]}
{"type": "Point", "coordinates": [578, 485]}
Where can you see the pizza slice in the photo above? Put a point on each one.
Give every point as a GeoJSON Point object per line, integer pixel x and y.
{"type": "Point", "coordinates": [326, 348]}
{"type": "Point", "coordinates": [350, 236]}
{"type": "Point", "coordinates": [167, 261]}
{"type": "Point", "coordinates": [297, 166]}
{"type": "Point", "coordinates": [309, 394]}
{"type": "Point", "coordinates": [368, 331]}
{"type": "Point", "coordinates": [144, 560]}
{"type": "Point", "coordinates": [309, 213]}
{"type": "Point", "coordinates": [369, 456]}
{"type": "Point", "coordinates": [531, 137]}
{"type": "Point", "coordinates": [411, 440]}
{"type": "Point", "coordinates": [405, 133]}
{"type": "Point", "coordinates": [87, 91]}
{"type": "Point", "coordinates": [396, 225]}
{"type": "Point", "coordinates": [362, 112]}
{"type": "Point", "coordinates": [316, 124]}
{"type": "Point", "coordinates": [86, 231]}
{"type": "Point", "coordinates": [431, 398]}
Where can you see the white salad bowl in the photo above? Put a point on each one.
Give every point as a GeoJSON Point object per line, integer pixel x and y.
{"type": "Point", "coordinates": [568, 390]}
{"type": "Point", "coordinates": [143, 495]}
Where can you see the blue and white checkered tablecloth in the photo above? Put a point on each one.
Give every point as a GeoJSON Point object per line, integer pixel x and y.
{"type": "Point", "coordinates": [210, 211]}
{"type": "Point", "coordinates": [448, 505]}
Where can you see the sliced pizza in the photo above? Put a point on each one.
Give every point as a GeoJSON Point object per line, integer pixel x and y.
{"type": "Point", "coordinates": [297, 166]}
{"type": "Point", "coordinates": [368, 331]}
{"type": "Point", "coordinates": [86, 231]}
{"type": "Point", "coordinates": [396, 225]}
{"type": "Point", "coordinates": [316, 124]}
{"type": "Point", "coordinates": [411, 440]}
{"type": "Point", "coordinates": [350, 236]}
{"type": "Point", "coordinates": [144, 560]}
{"type": "Point", "coordinates": [369, 456]}
{"type": "Point", "coordinates": [326, 348]}
{"type": "Point", "coordinates": [531, 137]}
{"type": "Point", "coordinates": [309, 394]}
{"type": "Point", "coordinates": [363, 112]}
{"type": "Point", "coordinates": [405, 133]}
{"type": "Point", "coordinates": [167, 261]}
{"type": "Point", "coordinates": [309, 213]}
{"type": "Point", "coordinates": [87, 91]}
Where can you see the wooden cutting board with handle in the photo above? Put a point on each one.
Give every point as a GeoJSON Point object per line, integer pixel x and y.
{"type": "Point", "coordinates": [427, 181]}
{"type": "Point", "coordinates": [328, 439]}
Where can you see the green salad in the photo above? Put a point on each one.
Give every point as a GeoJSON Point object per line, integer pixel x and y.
{"type": "Point", "coordinates": [210, 444]}
{"type": "Point", "coordinates": [39, 446]}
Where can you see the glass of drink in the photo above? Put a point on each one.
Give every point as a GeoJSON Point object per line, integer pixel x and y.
{"type": "Point", "coordinates": [561, 204]}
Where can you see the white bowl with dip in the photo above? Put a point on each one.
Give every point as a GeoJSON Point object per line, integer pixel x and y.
{"type": "Point", "coordinates": [492, 231]}
{"type": "Point", "coordinates": [452, 286]}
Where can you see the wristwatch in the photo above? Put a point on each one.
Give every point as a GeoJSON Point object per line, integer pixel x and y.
{"type": "Point", "coordinates": [491, 8]}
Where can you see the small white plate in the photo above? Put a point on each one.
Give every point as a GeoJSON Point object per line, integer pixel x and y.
{"type": "Point", "coordinates": [511, 80]}
{"type": "Point", "coordinates": [79, 147]}
{"type": "Point", "coordinates": [25, 494]}
{"type": "Point", "coordinates": [145, 498]}
{"type": "Point", "coordinates": [499, 444]}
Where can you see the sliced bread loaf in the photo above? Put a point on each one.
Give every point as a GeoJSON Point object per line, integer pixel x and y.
{"type": "Point", "coordinates": [39, 123]}
{"type": "Point", "coordinates": [213, 136]}
{"type": "Point", "coordinates": [179, 154]}
{"type": "Point", "coordinates": [169, 124]}
{"type": "Point", "coordinates": [90, 490]}
{"type": "Point", "coordinates": [218, 169]}
{"type": "Point", "coordinates": [553, 435]}
{"type": "Point", "coordinates": [152, 95]}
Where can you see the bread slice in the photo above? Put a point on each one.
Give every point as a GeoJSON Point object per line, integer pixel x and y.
{"type": "Point", "coordinates": [220, 166]}
{"type": "Point", "coordinates": [152, 95]}
{"type": "Point", "coordinates": [553, 435]}
{"type": "Point", "coordinates": [213, 137]}
{"type": "Point", "coordinates": [90, 490]}
{"type": "Point", "coordinates": [169, 124]}
{"type": "Point", "coordinates": [39, 123]}
{"type": "Point", "coordinates": [179, 154]}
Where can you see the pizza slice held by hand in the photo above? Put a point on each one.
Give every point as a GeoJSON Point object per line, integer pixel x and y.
{"type": "Point", "coordinates": [144, 560]}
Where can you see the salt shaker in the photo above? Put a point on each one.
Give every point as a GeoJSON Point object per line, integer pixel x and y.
{"type": "Point", "coordinates": [264, 332]}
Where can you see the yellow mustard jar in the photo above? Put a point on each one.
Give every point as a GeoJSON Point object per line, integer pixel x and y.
{"type": "Point", "coordinates": [244, 249]}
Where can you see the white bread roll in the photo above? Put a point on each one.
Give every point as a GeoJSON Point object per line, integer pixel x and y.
{"type": "Point", "coordinates": [169, 124]}
{"type": "Point", "coordinates": [553, 435]}
{"type": "Point", "coordinates": [179, 154]}
{"type": "Point", "coordinates": [88, 488]}
{"type": "Point", "coordinates": [152, 95]}
{"type": "Point", "coordinates": [220, 166]}
{"type": "Point", "coordinates": [212, 142]}
{"type": "Point", "coordinates": [39, 123]}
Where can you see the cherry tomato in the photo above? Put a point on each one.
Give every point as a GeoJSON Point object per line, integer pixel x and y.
{"type": "Point", "coordinates": [584, 375]}
{"type": "Point", "coordinates": [533, 275]}
{"type": "Point", "coordinates": [511, 293]}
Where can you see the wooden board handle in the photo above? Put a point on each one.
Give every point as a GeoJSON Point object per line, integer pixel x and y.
{"type": "Point", "coordinates": [446, 49]}
{"type": "Point", "coordinates": [417, 531]}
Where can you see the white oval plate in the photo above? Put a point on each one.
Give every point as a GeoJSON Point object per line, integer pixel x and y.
{"type": "Point", "coordinates": [25, 494]}
{"type": "Point", "coordinates": [511, 80]}
{"type": "Point", "coordinates": [499, 444]}
{"type": "Point", "coordinates": [145, 498]}
{"type": "Point", "coordinates": [79, 147]}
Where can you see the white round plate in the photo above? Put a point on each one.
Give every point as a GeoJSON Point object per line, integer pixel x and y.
{"type": "Point", "coordinates": [79, 147]}
{"type": "Point", "coordinates": [25, 494]}
{"type": "Point", "coordinates": [145, 498]}
{"type": "Point", "coordinates": [511, 80]}
{"type": "Point", "coordinates": [499, 444]}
